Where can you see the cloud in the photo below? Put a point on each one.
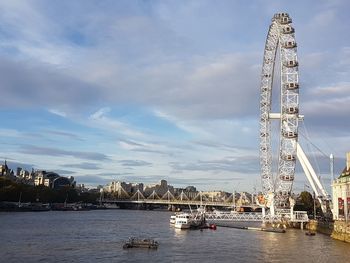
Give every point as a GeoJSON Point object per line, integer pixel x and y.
{"type": "Point", "coordinates": [145, 147]}
{"type": "Point", "coordinates": [92, 180]}
{"type": "Point", "coordinates": [134, 163]}
{"type": "Point", "coordinates": [99, 119]}
{"type": "Point", "coordinates": [34, 150]}
{"type": "Point", "coordinates": [13, 164]}
{"type": "Point", "coordinates": [63, 172]}
{"type": "Point", "coordinates": [328, 107]}
{"type": "Point", "coordinates": [100, 114]}
{"type": "Point", "coordinates": [114, 174]}
{"type": "Point", "coordinates": [64, 134]}
{"type": "Point", "coordinates": [247, 164]}
{"type": "Point", "coordinates": [84, 165]}
{"type": "Point", "coordinates": [10, 133]}
{"type": "Point", "coordinates": [58, 112]}
{"type": "Point", "coordinates": [25, 84]}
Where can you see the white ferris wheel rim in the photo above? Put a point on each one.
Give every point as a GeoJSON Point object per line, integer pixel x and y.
{"type": "Point", "coordinates": [280, 38]}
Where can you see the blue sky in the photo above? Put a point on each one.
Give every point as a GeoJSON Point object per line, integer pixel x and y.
{"type": "Point", "coordinates": [145, 90]}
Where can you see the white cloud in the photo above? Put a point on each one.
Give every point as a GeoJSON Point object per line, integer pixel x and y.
{"type": "Point", "coordinates": [58, 112]}
{"type": "Point", "coordinates": [100, 114]}
{"type": "Point", "coordinates": [339, 89]}
{"type": "Point", "coordinates": [10, 133]}
{"type": "Point", "coordinates": [99, 119]}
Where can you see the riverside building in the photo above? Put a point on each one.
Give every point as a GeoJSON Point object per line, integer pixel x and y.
{"type": "Point", "coordinates": [341, 204]}
{"type": "Point", "coordinates": [341, 193]}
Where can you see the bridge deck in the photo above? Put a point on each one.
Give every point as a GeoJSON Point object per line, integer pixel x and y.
{"type": "Point", "coordinates": [171, 202]}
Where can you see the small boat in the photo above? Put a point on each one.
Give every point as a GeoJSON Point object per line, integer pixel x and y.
{"type": "Point", "coordinates": [140, 243]}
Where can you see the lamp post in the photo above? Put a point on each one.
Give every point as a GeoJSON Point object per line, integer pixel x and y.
{"type": "Point", "coordinates": [314, 206]}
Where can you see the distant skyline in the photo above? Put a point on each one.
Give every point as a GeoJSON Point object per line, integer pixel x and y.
{"type": "Point", "coordinates": [141, 91]}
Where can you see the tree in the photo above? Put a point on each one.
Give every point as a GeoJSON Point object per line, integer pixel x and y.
{"type": "Point", "coordinates": [305, 202]}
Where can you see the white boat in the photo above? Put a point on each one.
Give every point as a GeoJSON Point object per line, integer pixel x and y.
{"type": "Point", "coordinates": [183, 221]}
{"type": "Point", "coordinates": [187, 220]}
{"type": "Point", "coordinates": [172, 219]}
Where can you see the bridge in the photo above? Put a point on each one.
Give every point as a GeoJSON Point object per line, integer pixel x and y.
{"type": "Point", "coordinates": [174, 202]}
{"type": "Point", "coordinates": [168, 199]}
{"type": "Point", "coordinates": [182, 200]}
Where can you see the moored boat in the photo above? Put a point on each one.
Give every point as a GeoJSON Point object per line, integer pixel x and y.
{"type": "Point", "coordinates": [172, 219]}
{"type": "Point", "coordinates": [140, 243]}
{"type": "Point", "coordinates": [190, 220]}
{"type": "Point", "coordinates": [183, 221]}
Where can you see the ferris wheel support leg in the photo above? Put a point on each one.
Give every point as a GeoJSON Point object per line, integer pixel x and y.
{"type": "Point", "coordinates": [312, 177]}
{"type": "Point", "coordinates": [307, 173]}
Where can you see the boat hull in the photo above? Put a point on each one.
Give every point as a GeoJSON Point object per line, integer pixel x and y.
{"type": "Point", "coordinates": [182, 226]}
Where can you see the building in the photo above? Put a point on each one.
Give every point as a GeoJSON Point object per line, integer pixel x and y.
{"type": "Point", "coordinates": [7, 172]}
{"type": "Point", "coordinates": [118, 188]}
{"type": "Point", "coordinates": [341, 204]}
{"type": "Point", "coordinates": [159, 188]}
{"type": "Point", "coordinates": [52, 180]}
{"type": "Point", "coordinates": [190, 192]}
{"type": "Point", "coordinates": [123, 189]}
{"type": "Point", "coordinates": [61, 181]}
{"type": "Point", "coordinates": [214, 195]}
{"type": "Point", "coordinates": [341, 193]}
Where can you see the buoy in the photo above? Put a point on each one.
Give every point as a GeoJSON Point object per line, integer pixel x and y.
{"type": "Point", "coordinates": [212, 226]}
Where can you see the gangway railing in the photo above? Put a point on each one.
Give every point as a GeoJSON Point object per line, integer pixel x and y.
{"type": "Point", "coordinates": [298, 216]}
{"type": "Point", "coordinates": [234, 216]}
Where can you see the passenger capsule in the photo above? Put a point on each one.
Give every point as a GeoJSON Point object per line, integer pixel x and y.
{"type": "Point", "coordinates": [287, 177]}
{"type": "Point", "coordinates": [290, 134]}
{"type": "Point", "coordinates": [288, 157]}
{"type": "Point", "coordinates": [291, 110]}
{"type": "Point", "coordinates": [291, 63]}
{"type": "Point", "coordinates": [279, 15]}
{"type": "Point", "coordinates": [289, 44]}
{"type": "Point", "coordinates": [292, 85]}
{"type": "Point", "coordinates": [285, 20]}
{"type": "Point", "coordinates": [287, 30]}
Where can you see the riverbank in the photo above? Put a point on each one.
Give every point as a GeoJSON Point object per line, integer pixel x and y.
{"type": "Point", "coordinates": [42, 207]}
{"type": "Point", "coordinates": [341, 231]}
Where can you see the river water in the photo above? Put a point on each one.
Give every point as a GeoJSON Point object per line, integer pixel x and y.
{"type": "Point", "coordinates": [97, 236]}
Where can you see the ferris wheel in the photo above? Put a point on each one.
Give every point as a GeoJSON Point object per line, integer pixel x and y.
{"type": "Point", "coordinates": [277, 185]}
{"type": "Point", "coordinates": [280, 41]}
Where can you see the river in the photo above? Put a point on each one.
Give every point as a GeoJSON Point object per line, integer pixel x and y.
{"type": "Point", "coordinates": [98, 235]}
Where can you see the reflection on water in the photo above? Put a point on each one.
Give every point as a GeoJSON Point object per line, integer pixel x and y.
{"type": "Point", "coordinates": [98, 236]}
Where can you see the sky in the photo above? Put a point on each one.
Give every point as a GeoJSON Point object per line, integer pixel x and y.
{"type": "Point", "coordinates": [140, 91]}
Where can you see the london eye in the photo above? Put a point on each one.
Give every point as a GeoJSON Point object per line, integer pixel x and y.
{"type": "Point", "coordinates": [280, 43]}
{"type": "Point", "coordinates": [277, 180]}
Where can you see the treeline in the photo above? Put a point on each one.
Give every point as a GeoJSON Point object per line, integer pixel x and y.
{"type": "Point", "coordinates": [14, 192]}
{"type": "Point", "coordinates": [305, 202]}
